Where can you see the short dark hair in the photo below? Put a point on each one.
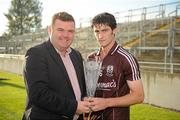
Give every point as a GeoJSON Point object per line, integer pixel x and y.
{"type": "Point", "coordinates": [64, 16]}
{"type": "Point", "coordinates": [104, 19]}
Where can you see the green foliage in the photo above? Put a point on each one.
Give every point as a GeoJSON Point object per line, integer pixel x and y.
{"type": "Point", "coordinates": [24, 16]}
{"type": "Point", "coordinates": [12, 102]}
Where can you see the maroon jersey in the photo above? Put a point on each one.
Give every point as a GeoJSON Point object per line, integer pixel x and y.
{"type": "Point", "coordinates": [117, 67]}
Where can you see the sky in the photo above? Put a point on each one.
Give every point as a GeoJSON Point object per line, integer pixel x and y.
{"type": "Point", "coordinates": [80, 9]}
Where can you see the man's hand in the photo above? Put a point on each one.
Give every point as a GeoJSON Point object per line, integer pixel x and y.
{"type": "Point", "coordinates": [98, 104]}
{"type": "Point", "coordinates": [83, 107]}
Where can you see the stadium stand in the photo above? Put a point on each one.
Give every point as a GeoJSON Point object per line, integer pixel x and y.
{"type": "Point", "coordinates": [151, 34]}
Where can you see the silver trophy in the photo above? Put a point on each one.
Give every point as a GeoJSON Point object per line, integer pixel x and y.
{"type": "Point", "coordinates": [92, 71]}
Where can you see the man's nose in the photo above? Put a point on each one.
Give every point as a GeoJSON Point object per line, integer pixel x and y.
{"type": "Point", "coordinates": [65, 33]}
{"type": "Point", "coordinates": [100, 35]}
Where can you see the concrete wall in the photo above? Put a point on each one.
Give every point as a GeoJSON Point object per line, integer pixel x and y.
{"type": "Point", "coordinates": [11, 63]}
{"type": "Point", "coordinates": [161, 89]}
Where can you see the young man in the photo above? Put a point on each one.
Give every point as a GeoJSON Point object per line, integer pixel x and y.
{"type": "Point", "coordinates": [119, 84]}
{"type": "Point", "coordinates": [54, 75]}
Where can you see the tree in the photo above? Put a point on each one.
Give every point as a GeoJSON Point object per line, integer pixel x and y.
{"type": "Point", "coordinates": [24, 16]}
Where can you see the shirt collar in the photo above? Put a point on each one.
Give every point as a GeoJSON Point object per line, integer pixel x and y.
{"type": "Point", "coordinates": [112, 50]}
{"type": "Point", "coordinates": [68, 51]}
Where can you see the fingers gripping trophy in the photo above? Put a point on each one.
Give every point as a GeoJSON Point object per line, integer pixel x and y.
{"type": "Point", "coordinates": [92, 69]}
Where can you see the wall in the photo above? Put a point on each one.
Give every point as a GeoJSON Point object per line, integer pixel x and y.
{"type": "Point", "coordinates": [161, 89]}
{"type": "Point", "coordinates": [11, 63]}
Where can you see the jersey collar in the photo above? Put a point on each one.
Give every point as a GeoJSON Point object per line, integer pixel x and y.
{"type": "Point", "coordinates": [112, 50]}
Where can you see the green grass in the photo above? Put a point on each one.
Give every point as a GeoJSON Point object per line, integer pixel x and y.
{"type": "Point", "coordinates": [12, 96]}
{"type": "Point", "coordinates": [12, 102]}
{"type": "Point", "coordinates": [149, 112]}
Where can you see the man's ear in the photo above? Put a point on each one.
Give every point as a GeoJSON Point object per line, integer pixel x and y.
{"type": "Point", "coordinates": [114, 31]}
{"type": "Point", "coordinates": [49, 29]}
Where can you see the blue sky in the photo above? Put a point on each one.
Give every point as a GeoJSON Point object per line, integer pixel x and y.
{"type": "Point", "coordinates": [81, 8]}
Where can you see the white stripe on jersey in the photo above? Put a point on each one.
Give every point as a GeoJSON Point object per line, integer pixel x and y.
{"type": "Point", "coordinates": [129, 57]}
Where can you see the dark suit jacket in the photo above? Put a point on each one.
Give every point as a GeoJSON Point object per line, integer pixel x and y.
{"type": "Point", "coordinates": [50, 93]}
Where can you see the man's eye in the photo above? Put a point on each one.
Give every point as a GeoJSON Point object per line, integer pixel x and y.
{"type": "Point", "coordinates": [59, 29]}
{"type": "Point", "coordinates": [105, 30]}
{"type": "Point", "coordinates": [96, 31]}
{"type": "Point", "coordinates": [71, 31]}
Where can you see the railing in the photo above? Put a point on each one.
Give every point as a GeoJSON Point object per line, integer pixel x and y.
{"type": "Point", "coordinates": [11, 56]}
{"type": "Point", "coordinates": [165, 65]}
{"type": "Point", "coordinates": [160, 66]}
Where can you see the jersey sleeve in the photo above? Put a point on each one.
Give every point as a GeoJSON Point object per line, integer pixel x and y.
{"type": "Point", "coordinates": [131, 69]}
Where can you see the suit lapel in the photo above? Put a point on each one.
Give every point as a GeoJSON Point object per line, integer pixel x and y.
{"type": "Point", "coordinates": [58, 60]}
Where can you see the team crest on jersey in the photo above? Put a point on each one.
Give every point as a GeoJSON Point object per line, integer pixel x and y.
{"type": "Point", "coordinates": [109, 70]}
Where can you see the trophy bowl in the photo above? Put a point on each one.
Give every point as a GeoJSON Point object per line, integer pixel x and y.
{"type": "Point", "coordinates": [92, 71]}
